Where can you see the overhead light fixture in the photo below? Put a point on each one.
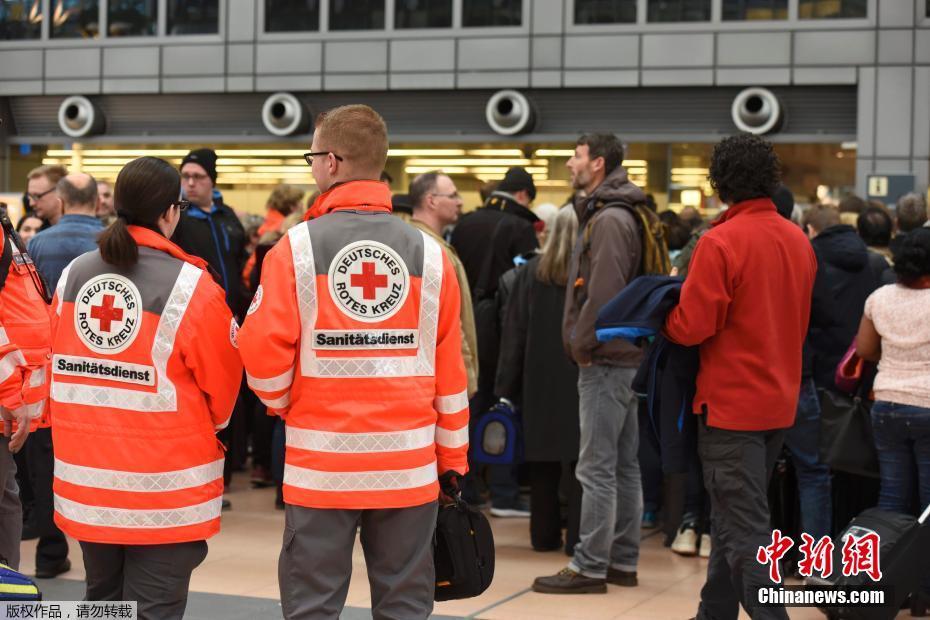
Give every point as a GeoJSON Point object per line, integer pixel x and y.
{"type": "Point", "coordinates": [554, 152]}
{"type": "Point", "coordinates": [496, 152]}
{"type": "Point", "coordinates": [477, 162]}
{"type": "Point", "coordinates": [426, 152]}
{"type": "Point", "coordinates": [444, 169]}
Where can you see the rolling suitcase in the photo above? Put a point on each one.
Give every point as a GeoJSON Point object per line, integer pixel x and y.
{"type": "Point", "coordinates": [904, 557]}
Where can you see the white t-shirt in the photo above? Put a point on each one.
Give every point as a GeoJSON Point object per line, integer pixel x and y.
{"type": "Point", "coordinates": [902, 318]}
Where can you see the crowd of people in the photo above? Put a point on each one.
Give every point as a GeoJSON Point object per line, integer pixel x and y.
{"type": "Point", "coordinates": [343, 351]}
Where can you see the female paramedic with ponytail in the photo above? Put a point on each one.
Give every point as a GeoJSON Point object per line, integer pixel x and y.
{"type": "Point", "coordinates": [144, 372]}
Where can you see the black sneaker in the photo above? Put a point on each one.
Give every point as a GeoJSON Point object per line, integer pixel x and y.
{"type": "Point", "coordinates": [567, 581]}
{"type": "Point", "coordinates": [622, 578]}
{"type": "Point", "coordinates": [50, 572]}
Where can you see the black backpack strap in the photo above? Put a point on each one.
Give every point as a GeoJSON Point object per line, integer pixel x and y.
{"type": "Point", "coordinates": [6, 259]}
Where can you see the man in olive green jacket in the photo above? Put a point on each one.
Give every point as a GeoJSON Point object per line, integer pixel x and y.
{"type": "Point", "coordinates": [436, 205]}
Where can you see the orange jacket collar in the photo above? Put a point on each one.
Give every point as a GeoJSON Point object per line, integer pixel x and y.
{"type": "Point", "coordinates": [352, 195]}
{"type": "Point", "coordinates": [151, 239]}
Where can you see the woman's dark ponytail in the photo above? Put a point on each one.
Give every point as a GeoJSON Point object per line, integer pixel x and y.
{"type": "Point", "coordinates": [117, 247]}
{"type": "Point", "coordinates": [145, 188]}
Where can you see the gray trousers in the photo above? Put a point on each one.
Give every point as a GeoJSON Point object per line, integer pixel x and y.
{"type": "Point", "coordinates": [156, 576]}
{"type": "Point", "coordinates": [316, 561]}
{"type": "Point", "coordinates": [11, 511]}
{"type": "Point", "coordinates": [737, 467]}
{"type": "Point", "coordinates": [608, 470]}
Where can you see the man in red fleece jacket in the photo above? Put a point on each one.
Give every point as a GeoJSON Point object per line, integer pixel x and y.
{"type": "Point", "coordinates": [746, 303]}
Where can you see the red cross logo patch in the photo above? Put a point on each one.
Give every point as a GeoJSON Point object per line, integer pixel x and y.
{"type": "Point", "coordinates": [108, 313]}
{"type": "Point", "coordinates": [369, 281]}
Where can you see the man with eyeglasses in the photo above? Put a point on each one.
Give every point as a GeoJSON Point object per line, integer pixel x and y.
{"type": "Point", "coordinates": [40, 191]}
{"type": "Point", "coordinates": [212, 231]}
{"type": "Point", "coordinates": [436, 206]}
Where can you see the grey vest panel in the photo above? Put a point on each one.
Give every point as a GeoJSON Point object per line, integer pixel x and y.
{"type": "Point", "coordinates": [154, 275]}
{"type": "Point", "coordinates": [330, 234]}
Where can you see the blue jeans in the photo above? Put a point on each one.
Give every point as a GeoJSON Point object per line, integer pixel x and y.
{"type": "Point", "coordinates": [608, 470]}
{"type": "Point", "coordinates": [803, 441]}
{"type": "Point", "coordinates": [902, 437]}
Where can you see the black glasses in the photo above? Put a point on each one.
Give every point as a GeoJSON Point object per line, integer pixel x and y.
{"type": "Point", "coordinates": [309, 156]}
{"type": "Point", "coordinates": [38, 197]}
{"type": "Point", "coordinates": [181, 204]}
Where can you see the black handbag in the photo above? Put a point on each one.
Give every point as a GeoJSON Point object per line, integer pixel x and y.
{"type": "Point", "coordinates": [463, 552]}
{"type": "Point", "coordinates": [847, 442]}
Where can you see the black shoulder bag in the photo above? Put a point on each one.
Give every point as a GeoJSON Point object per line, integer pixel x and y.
{"type": "Point", "coordinates": [463, 553]}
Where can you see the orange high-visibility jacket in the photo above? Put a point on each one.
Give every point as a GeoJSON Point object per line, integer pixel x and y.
{"type": "Point", "coordinates": [25, 337]}
{"type": "Point", "coordinates": [354, 337]}
{"type": "Point", "coordinates": [144, 372]}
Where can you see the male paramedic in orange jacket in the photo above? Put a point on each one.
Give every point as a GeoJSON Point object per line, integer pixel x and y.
{"type": "Point", "coordinates": [354, 339]}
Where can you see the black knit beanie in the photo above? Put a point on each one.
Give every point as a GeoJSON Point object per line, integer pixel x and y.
{"type": "Point", "coordinates": [205, 158]}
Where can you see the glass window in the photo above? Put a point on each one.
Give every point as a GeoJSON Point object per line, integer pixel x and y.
{"type": "Point", "coordinates": [605, 11]}
{"type": "Point", "coordinates": [20, 19]}
{"type": "Point", "coordinates": [830, 9]}
{"type": "Point", "coordinates": [423, 14]}
{"type": "Point", "coordinates": [679, 10]}
{"type": "Point", "coordinates": [478, 13]}
{"type": "Point", "coordinates": [356, 14]}
{"type": "Point", "coordinates": [292, 15]}
{"type": "Point", "coordinates": [132, 18]}
{"type": "Point", "coordinates": [193, 16]}
{"type": "Point", "coordinates": [75, 19]}
{"type": "Point", "coordinates": [755, 9]}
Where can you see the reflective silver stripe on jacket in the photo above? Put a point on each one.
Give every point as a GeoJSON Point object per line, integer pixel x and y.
{"type": "Point", "coordinates": [314, 480]}
{"type": "Point", "coordinates": [138, 518]}
{"type": "Point", "coordinates": [153, 482]}
{"type": "Point", "coordinates": [271, 384]}
{"type": "Point", "coordinates": [325, 441]}
{"type": "Point", "coordinates": [453, 403]}
{"type": "Point", "coordinates": [420, 365]}
{"type": "Point", "coordinates": [452, 438]}
{"type": "Point", "coordinates": [9, 363]}
{"type": "Point", "coordinates": [165, 398]}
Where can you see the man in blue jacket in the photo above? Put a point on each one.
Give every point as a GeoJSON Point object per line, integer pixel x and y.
{"type": "Point", "coordinates": [210, 229]}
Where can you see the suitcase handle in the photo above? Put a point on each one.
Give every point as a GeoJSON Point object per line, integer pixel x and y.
{"type": "Point", "coordinates": [925, 515]}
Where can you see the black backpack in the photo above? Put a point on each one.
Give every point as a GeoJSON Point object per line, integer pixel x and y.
{"type": "Point", "coordinates": [463, 552]}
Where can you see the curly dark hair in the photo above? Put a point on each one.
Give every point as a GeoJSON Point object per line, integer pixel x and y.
{"type": "Point", "coordinates": [744, 167]}
{"type": "Point", "coordinates": [911, 253]}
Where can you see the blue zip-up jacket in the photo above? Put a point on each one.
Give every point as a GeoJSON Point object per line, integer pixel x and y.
{"type": "Point", "coordinates": [668, 373]}
{"type": "Point", "coordinates": [217, 237]}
